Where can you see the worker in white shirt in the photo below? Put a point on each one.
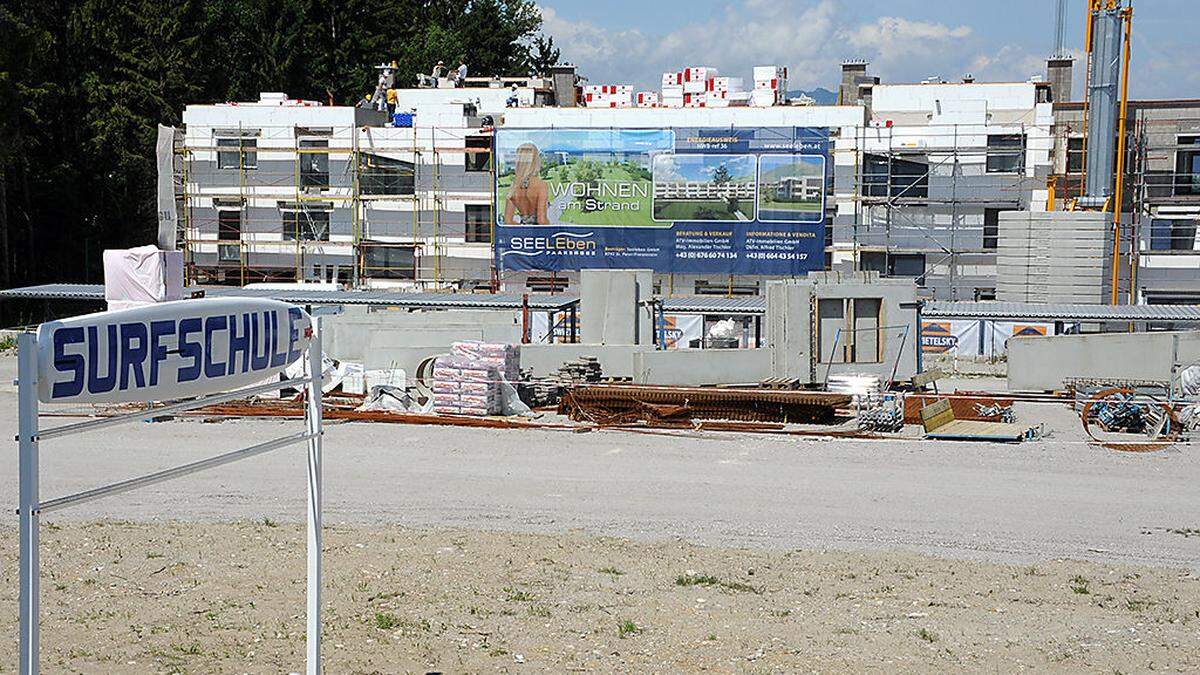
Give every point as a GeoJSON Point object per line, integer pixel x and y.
{"type": "Point", "coordinates": [461, 77]}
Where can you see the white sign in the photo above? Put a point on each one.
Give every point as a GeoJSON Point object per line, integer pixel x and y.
{"type": "Point", "coordinates": [168, 350]}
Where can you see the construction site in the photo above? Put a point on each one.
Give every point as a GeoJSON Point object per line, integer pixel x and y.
{"type": "Point", "coordinates": [710, 377]}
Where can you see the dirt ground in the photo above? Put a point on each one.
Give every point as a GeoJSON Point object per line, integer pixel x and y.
{"type": "Point", "coordinates": [176, 597]}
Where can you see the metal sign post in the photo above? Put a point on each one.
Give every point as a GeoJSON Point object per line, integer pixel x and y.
{"type": "Point", "coordinates": [31, 366]}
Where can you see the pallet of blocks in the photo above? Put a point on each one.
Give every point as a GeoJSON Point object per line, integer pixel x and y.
{"type": "Point", "coordinates": [770, 86]}
{"type": "Point", "coordinates": [608, 96]}
{"type": "Point", "coordinates": [467, 381]}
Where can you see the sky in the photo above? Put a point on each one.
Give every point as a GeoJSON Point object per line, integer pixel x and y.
{"type": "Point", "coordinates": [635, 41]}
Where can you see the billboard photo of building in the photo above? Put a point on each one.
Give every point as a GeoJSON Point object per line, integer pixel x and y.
{"type": "Point", "coordinates": [679, 199]}
{"type": "Point", "coordinates": [702, 187]}
{"type": "Point", "coordinates": [791, 188]}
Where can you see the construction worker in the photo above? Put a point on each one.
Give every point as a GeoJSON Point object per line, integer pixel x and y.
{"type": "Point", "coordinates": [392, 97]}
{"type": "Point", "coordinates": [460, 78]}
{"type": "Point", "coordinates": [439, 71]}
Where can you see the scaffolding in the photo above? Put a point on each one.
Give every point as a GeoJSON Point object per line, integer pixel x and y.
{"type": "Point", "coordinates": [349, 205]}
{"type": "Point", "coordinates": [415, 205]}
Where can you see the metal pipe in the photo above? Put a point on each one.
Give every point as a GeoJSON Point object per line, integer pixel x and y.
{"type": "Point", "coordinates": [168, 474]}
{"type": "Point", "coordinates": [313, 521]}
{"type": "Point", "coordinates": [27, 405]}
{"type": "Point", "coordinates": [192, 404]}
{"type": "Point", "coordinates": [1127, 16]}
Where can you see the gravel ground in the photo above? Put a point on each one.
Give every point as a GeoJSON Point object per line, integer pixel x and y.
{"type": "Point", "coordinates": [466, 550]}
{"type": "Point", "coordinates": [186, 597]}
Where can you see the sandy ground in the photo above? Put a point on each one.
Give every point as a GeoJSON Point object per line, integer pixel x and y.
{"type": "Point", "coordinates": [467, 550]}
{"type": "Point", "coordinates": [174, 597]}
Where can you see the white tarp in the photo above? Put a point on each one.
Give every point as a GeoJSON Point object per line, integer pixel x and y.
{"type": "Point", "coordinates": [168, 218]}
{"type": "Point", "coordinates": [1000, 332]}
{"type": "Point", "coordinates": [142, 275]}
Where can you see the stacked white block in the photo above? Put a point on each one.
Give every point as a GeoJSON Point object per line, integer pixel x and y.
{"type": "Point", "coordinates": [608, 95]}
{"type": "Point", "coordinates": [672, 96]}
{"type": "Point", "coordinates": [696, 79]}
{"type": "Point", "coordinates": [672, 79]}
{"type": "Point", "coordinates": [726, 91]}
{"type": "Point", "coordinates": [467, 382]}
{"type": "Point", "coordinates": [770, 86]}
{"type": "Point", "coordinates": [646, 99]}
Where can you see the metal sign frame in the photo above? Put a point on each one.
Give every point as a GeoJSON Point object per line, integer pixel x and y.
{"type": "Point", "coordinates": [31, 508]}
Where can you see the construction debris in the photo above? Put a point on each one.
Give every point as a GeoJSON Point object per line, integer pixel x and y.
{"type": "Point", "coordinates": [615, 404]}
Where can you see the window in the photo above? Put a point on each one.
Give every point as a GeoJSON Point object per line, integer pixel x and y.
{"type": "Point", "coordinates": [1075, 155]}
{"type": "Point", "coordinates": [706, 287]}
{"type": "Point", "coordinates": [305, 224]}
{"type": "Point", "coordinates": [1172, 235]}
{"type": "Point", "coordinates": [229, 228]}
{"type": "Point", "coordinates": [388, 261]}
{"type": "Point", "coordinates": [479, 153]}
{"type": "Point", "coordinates": [901, 177]}
{"type": "Point", "coordinates": [385, 176]}
{"type": "Point", "coordinates": [985, 294]}
{"type": "Point", "coordinates": [1187, 167]}
{"type": "Point", "coordinates": [237, 152]}
{"type": "Point", "coordinates": [479, 223]}
{"type": "Point", "coordinates": [907, 265]}
{"type": "Point", "coordinates": [314, 163]}
{"type": "Point", "coordinates": [991, 228]}
{"type": "Point", "coordinates": [1006, 153]}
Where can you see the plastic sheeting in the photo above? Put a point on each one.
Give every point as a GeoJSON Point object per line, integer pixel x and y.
{"type": "Point", "coordinates": [141, 276]}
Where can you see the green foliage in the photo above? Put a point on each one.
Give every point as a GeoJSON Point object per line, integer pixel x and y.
{"type": "Point", "coordinates": [86, 83]}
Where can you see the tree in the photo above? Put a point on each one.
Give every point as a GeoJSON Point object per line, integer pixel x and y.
{"type": "Point", "coordinates": [544, 55]}
{"type": "Point", "coordinates": [86, 82]}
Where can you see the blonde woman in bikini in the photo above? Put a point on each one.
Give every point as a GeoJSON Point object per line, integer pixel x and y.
{"type": "Point", "coordinates": [529, 195]}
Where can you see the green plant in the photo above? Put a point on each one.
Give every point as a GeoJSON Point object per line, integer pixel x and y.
{"type": "Point", "coordinates": [517, 595]}
{"type": "Point", "coordinates": [7, 342]}
{"type": "Point", "coordinates": [385, 620]}
{"type": "Point", "coordinates": [696, 580]}
{"type": "Point", "coordinates": [1079, 585]}
{"type": "Point", "coordinates": [610, 570]}
{"type": "Point", "coordinates": [539, 611]}
{"type": "Point", "coordinates": [927, 635]}
{"type": "Point", "coordinates": [269, 523]}
{"type": "Point", "coordinates": [627, 628]}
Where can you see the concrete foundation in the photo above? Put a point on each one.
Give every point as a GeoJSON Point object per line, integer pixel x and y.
{"type": "Point", "coordinates": [1044, 363]}
{"type": "Point", "coordinates": [833, 323]}
{"type": "Point", "coordinates": [401, 339]}
{"type": "Point", "coordinates": [611, 309]}
{"type": "Point", "coordinates": [1056, 256]}
{"type": "Point", "coordinates": [696, 367]}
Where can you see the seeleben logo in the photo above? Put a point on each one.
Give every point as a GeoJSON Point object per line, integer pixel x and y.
{"type": "Point", "coordinates": [560, 243]}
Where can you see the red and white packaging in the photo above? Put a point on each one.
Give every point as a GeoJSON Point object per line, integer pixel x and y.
{"type": "Point", "coordinates": [646, 99]}
{"type": "Point", "coordinates": [672, 79]}
{"type": "Point", "coordinates": [770, 73]}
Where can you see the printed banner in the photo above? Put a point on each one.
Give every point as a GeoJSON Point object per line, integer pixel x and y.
{"type": "Point", "coordinates": [957, 338]}
{"type": "Point", "coordinates": [695, 200]}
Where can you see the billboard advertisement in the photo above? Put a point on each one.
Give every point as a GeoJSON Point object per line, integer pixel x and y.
{"type": "Point", "coordinates": [682, 199]}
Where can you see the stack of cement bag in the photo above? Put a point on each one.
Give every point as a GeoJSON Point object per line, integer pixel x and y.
{"type": "Point", "coordinates": [469, 380]}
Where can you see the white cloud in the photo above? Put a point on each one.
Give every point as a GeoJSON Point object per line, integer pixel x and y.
{"type": "Point", "coordinates": [811, 38]}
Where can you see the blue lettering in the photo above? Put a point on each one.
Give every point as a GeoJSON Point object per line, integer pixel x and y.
{"type": "Point", "coordinates": [64, 363]}
{"type": "Point", "coordinates": [277, 358]}
{"type": "Point", "coordinates": [97, 384]}
{"type": "Point", "coordinates": [261, 361]}
{"type": "Point", "coordinates": [239, 344]}
{"type": "Point", "coordinates": [132, 358]}
{"type": "Point", "coordinates": [158, 352]}
{"type": "Point", "coordinates": [189, 349]}
{"type": "Point", "coordinates": [293, 334]}
{"type": "Point", "coordinates": [211, 325]}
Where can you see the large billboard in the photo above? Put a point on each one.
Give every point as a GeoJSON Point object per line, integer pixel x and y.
{"type": "Point", "coordinates": [683, 199]}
